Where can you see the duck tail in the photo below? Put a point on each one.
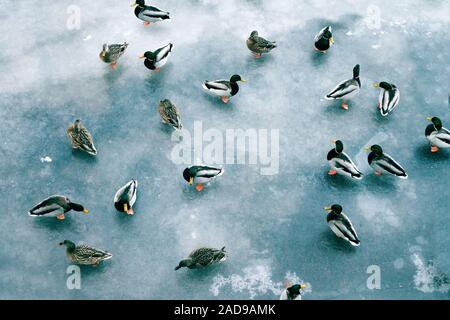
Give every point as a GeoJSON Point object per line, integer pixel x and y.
{"type": "Point", "coordinates": [356, 70]}
{"type": "Point", "coordinates": [223, 249]}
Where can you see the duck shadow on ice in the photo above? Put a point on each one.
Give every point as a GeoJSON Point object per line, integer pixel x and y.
{"type": "Point", "coordinates": [328, 240]}
{"type": "Point", "coordinates": [110, 76]}
{"type": "Point", "coordinates": [424, 154]}
{"type": "Point", "coordinates": [202, 274]}
{"type": "Point", "coordinates": [55, 224]}
{"type": "Point", "coordinates": [339, 182]}
{"type": "Point", "coordinates": [83, 156]}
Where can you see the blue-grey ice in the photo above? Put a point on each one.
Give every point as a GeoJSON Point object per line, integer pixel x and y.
{"type": "Point", "coordinates": [273, 226]}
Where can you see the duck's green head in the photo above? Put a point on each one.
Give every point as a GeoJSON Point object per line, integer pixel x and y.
{"type": "Point", "coordinates": [237, 78]}
{"type": "Point", "coordinates": [384, 85]}
{"type": "Point", "coordinates": [377, 150]}
{"type": "Point", "coordinates": [339, 146]}
{"type": "Point", "coordinates": [188, 176]}
{"type": "Point", "coordinates": [184, 264]}
{"type": "Point", "coordinates": [336, 208]}
{"type": "Point", "coordinates": [148, 55]}
{"type": "Point", "coordinates": [78, 207]}
{"type": "Point", "coordinates": [436, 121]}
{"type": "Point", "coordinates": [69, 244]}
{"type": "Point", "coordinates": [139, 3]}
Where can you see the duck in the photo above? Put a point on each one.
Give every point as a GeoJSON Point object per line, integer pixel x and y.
{"type": "Point", "coordinates": [438, 136]}
{"type": "Point", "coordinates": [200, 175]}
{"type": "Point", "coordinates": [292, 292]}
{"type": "Point", "coordinates": [341, 225]}
{"type": "Point", "coordinates": [84, 255]}
{"type": "Point", "coordinates": [125, 197]}
{"type": "Point", "coordinates": [170, 114]}
{"type": "Point", "coordinates": [341, 163]}
{"type": "Point", "coordinates": [203, 257]}
{"type": "Point", "coordinates": [346, 89]}
{"type": "Point", "coordinates": [224, 88]}
{"type": "Point", "coordinates": [383, 163]}
{"type": "Point", "coordinates": [56, 206]}
{"type": "Point", "coordinates": [149, 14]}
{"type": "Point", "coordinates": [324, 39]}
{"type": "Point", "coordinates": [157, 59]}
{"type": "Point", "coordinates": [111, 53]}
{"type": "Point", "coordinates": [389, 97]}
{"type": "Point", "coordinates": [80, 138]}
{"type": "Point", "coordinates": [258, 45]}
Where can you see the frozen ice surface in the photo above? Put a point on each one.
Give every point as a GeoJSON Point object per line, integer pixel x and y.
{"type": "Point", "coordinates": [273, 226]}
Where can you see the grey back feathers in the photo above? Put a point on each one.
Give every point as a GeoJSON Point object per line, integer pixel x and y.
{"type": "Point", "coordinates": [203, 257]}
{"type": "Point", "coordinates": [170, 114]}
{"type": "Point", "coordinates": [80, 138]}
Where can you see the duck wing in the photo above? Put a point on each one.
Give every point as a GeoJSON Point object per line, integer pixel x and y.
{"type": "Point", "coordinates": [170, 113]}
{"type": "Point", "coordinates": [54, 204]}
{"type": "Point", "coordinates": [203, 256]}
{"type": "Point", "coordinates": [345, 88]}
{"type": "Point", "coordinates": [207, 172]}
{"type": "Point", "coordinates": [345, 226]}
{"type": "Point", "coordinates": [86, 253]}
{"type": "Point", "coordinates": [163, 53]}
{"type": "Point", "coordinates": [344, 162]}
{"type": "Point", "coordinates": [220, 85]}
{"type": "Point", "coordinates": [444, 135]}
{"type": "Point", "coordinates": [387, 163]}
{"type": "Point", "coordinates": [127, 194]}
{"type": "Point", "coordinates": [154, 12]}
{"type": "Point", "coordinates": [82, 139]}
{"type": "Point", "coordinates": [388, 100]}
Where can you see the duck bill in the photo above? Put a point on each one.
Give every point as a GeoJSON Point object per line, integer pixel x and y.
{"type": "Point", "coordinates": [327, 209]}
{"type": "Point", "coordinates": [191, 181]}
{"type": "Point", "coordinates": [86, 211]}
{"type": "Point", "coordinates": [429, 118]}
{"type": "Point", "coordinates": [134, 4]}
{"type": "Point", "coordinates": [125, 207]}
{"type": "Point", "coordinates": [367, 149]}
{"type": "Point", "coordinates": [376, 85]}
{"type": "Point", "coordinates": [331, 40]}
{"type": "Point", "coordinates": [333, 141]}
{"type": "Point", "coordinates": [303, 286]}
{"type": "Point", "coordinates": [243, 80]}
{"type": "Point", "coordinates": [142, 56]}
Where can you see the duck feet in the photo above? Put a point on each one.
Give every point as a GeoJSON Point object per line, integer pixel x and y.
{"type": "Point", "coordinates": [130, 212]}
{"type": "Point", "coordinates": [332, 172]}
{"type": "Point", "coordinates": [378, 173]}
{"type": "Point", "coordinates": [379, 105]}
{"type": "Point", "coordinates": [114, 65]}
{"type": "Point", "coordinates": [157, 70]}
{"type": "Point", "coordinates": [258, 55]}
{"type": "Point", "coordinates": [60, 216]}
{"type": "Point", "coordinates": [434, 149]}
{"type": "Point", "coordinates": [344, 105]}
{"type": "Point", "coordinates": [146, 23]}
{"type": "Point", "coordinates": [225, 99]}
{"type": "Point", "coordinates": [199, 187]}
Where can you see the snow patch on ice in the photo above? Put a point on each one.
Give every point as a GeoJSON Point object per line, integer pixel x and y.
{"type": "Point", "coordinates": [428, 278]}
{"type": "Point", "coordinates": [46, 159]}
{"type": "Point", "coordinates": [256, 280]}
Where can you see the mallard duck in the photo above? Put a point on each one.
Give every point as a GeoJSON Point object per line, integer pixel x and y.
{"type": "Point", "coordinates": [259, 45]}
{"type": "Point", "coordinates": [341, 163]}
{"type": "Point", "coordinates": [341, 225]}
{"type": "Point", "coordinates": [149, 14]}
{"type": "Point", "coordinates": [224, 88]}
{"type": "Point", "coordinates": [438, 136]}
{"type": "Point", "coordinates": [170, 114]}
{"type": "Point", "coordinates": [156, 60]}
{"type": "Point", "coordinates": [324, 39]}
{"type": "Point", "coordinates": [84, 255]}
{"type": "Point", "coordinates": [56, 206]}
{"type": "Point", "coordinates": [80, 138]}
{"type": "Point", "coordinates": [203, 257]}
{"type": "Point", "coordinates": [110, 54]}
{"type": "Point", "coordinates": [346, 89]}
{"type": "Point", "coordinates": [382, 162]}
{"type": "Point", "coordinates": [126, 197]}
{"type": "Point", "coordinates": [200, 175]}
{"type": "Point", "coordinates": [292, 292]}
{"type": "Point", "coordinates": [389, 97]}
